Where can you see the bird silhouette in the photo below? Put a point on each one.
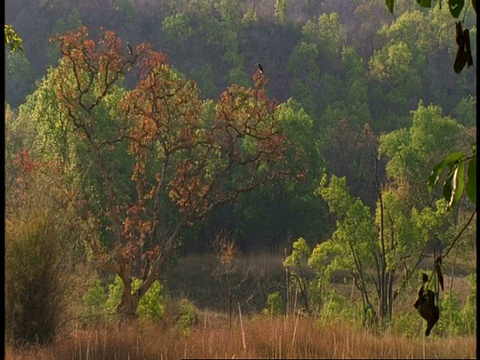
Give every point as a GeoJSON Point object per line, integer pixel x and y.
{"type": "Point", "coordinates": [260, 68]}
{"type": "Point", "coordinates": [130, 51]}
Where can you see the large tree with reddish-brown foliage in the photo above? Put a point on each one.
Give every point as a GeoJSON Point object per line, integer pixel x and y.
{"type": "Point", "coordinates": [188, 155]}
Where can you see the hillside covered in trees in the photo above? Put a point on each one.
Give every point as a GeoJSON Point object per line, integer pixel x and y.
{"type": "Point", "coordinates": [351, 67]}
{"type": "Point", "coordinates": [140, 132]}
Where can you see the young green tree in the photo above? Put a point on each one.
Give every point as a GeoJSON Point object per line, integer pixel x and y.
{"type": "Point", "coordinates": [352, 244]}
{"type": "Point", "coordinates": [395, 239]}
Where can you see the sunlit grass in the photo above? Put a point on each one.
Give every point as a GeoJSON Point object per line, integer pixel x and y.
{"type": "Point", "coordinates": [262, 337]}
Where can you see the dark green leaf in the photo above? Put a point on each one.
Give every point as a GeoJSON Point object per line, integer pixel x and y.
{"type": "Point", "coordinates": [450, 160]}
{"type": "Point", "coordinates": [438, 270]}
{"type": "Point", "coordinates": [457, 184]}
{"type": "Point", "coordinates": [437, 170]}
{"type": "Point", "coordinates": [425, 3]}
{"type": "Point", "coordinates": [447, 187]}
{"type": "Point", "coordinates": [390, 4]}
{"type": "Point", "coordinates": [456, 7]}
{"type": "Point", "coordinates": [471, 188]}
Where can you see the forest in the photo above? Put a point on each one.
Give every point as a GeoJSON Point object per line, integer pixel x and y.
{"type": "Point", "coordinates": [266, 173]}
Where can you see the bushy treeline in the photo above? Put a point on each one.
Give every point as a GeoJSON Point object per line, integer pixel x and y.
{"type": "Point", "coordinates": [373, 103]}
{"type": "Point", "coordinates": [347, 65]}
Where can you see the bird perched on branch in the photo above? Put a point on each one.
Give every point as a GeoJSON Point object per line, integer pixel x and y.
{"type": "Point", "coordinates": [130, 50]}
{"type": "Point", "coordinates": [260, 68]}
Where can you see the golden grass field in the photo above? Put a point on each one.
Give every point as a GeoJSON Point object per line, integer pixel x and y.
{"type": "Point", "coordinates": [252, 338]}
{"type": "Point", "coordinates": [248, 336]}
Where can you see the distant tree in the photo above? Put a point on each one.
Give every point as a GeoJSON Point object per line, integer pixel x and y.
{"type": "Point", "coordinates": [188, 156]}
{"type": "Point", "coordinates": [413, 151]}
{"type": "Point", "coordinates": [303, 65]}
{"type": "Point", "coordinates": [19, 76]}
{"type": "Point", "coordinates": [329, 35]}
{"type": "Point", "coordinates": [456, 182]}
{"type": "Point", "coordinates": [454, 6]}
{"type": "Point", "coordinates": [272, 214]}
{"type": "Point", "coordinates": [230, 11]}
{"type": "Point", "coordinates": [12, 39]}
{"type": "Point", "coordinates": [466, 111]}
{"type": "Point", "coordinates": [205, 77]}
{"type": "Point", "coordinates": [281, 10]}
{"type": "Point", "coordinates": [74, 21]}
{"type": "Point", "coordinates": [395, 83]}
{"type": "Point", "coordinates": [177, 28]}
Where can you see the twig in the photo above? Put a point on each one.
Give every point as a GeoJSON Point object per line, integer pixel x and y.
{"type": "Point", "coordinates": [460, 233]}
{"type": "Point", "coordinates": [241, 325]}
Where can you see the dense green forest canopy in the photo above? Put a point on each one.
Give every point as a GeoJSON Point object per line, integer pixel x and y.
{"type": "Point", "coordinates": [154, 127]}
{"type": "Point", "coordinates": [350, 69]}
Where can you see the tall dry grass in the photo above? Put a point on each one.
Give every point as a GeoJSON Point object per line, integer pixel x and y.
{"type": "Point", "coordinates": [276, 337]}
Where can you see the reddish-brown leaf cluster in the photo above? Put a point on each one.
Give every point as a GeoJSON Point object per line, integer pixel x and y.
{"type": "Point", "coordinates": [199, 154]}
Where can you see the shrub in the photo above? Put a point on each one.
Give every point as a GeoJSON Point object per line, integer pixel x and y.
{"type": "Point", "coordinates": [339, 307]}
{"type": "Point", "coordinates": [94, 300]}
{"type": "Point", "coordinates": [152, 304]}
{"type": "Point", "coordinates": [274, 304]}
{"type": "Point", "coordinates": [469, 312]}
{"type": "Point", "coordinates": [188, 317]}
{"type": "Point", "coordinates": [97, 302]}
{"type": "Point", "coordinates": [407, 325]}
{"type": "Point", "coordinates": [451, 320]}
{"type": "Point", "coordinates": [38, 273]}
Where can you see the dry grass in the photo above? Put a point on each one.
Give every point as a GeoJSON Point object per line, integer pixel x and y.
{"type": "Point", "coordinates": [262, 338]}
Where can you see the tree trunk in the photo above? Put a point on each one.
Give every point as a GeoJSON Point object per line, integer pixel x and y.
{"type": "Point", "coordinates": [127, 309]}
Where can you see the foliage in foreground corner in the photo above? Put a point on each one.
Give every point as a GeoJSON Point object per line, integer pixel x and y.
{"type": "Point", "coordinates": [458, 164]}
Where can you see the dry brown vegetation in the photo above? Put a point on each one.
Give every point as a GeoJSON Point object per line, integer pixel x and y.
{"type": "Point", "coordinates": [282, 337]}
{"type": "Point", "coordinates": [255, 337]}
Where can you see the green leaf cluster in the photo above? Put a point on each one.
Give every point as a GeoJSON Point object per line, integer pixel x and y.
{"type": "Point", "coordinates": [102, 301]}
{"type": "Point", "coordinates": [457, 165]}
{"type": "Point", "coordinates": [12, 39]}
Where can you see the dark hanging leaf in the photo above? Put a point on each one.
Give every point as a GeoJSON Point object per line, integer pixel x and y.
{"type": "Point", "coordinates": [461, 58]}
{"type": "Point", "coordinates": [425, 3]}
{"type": "Point", "coordinates": [456, 7]}
{"type": "Point", "coordinates": [471, 188]}
{"type": "Point", "coordinates": [390, 4]}
{"type": "Point", "coordinates": [464, 51]}
{"type": "Point", "coordinates": [435, 175]}
{"type": "Point", "coordinates": [447, 187]}
{"type": "Point", "coordinates": [438, 270]}
{"type": "Point", "coordinates": [424, 277]}
{"type": "Point", "coordinates": [468, 49]}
